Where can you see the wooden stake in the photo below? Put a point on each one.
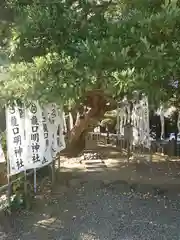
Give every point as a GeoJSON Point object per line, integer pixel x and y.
{"type": "Point", "coordinates": [53, 172]}
{"type": "Point", "coordinates": [35, 181]}
{"type": "Point", "coordinates": [9, 183]}
{"type": "Point", "coordinates": [25, 183]}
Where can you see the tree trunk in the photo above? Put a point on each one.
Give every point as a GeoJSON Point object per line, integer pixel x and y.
{"type": "Point", "coordinates": [84, 123]}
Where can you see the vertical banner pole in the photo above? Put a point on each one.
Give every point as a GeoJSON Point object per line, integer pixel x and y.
{"type": "Point", "coordinates": [53, 171]}
{"type": "Point", "coordinates": [25, 183]}
{"type": "Point", "coordinates": [35, 181]}
{"type": "Point", "coordinates": [150, 154]}
{"type": "Point", "coordinates": [8, 166]}
{"type": "Point", "coordinates": [25, 189]}
{"type": "Point", "coordinates": [9, 182]}
{"type": "Point", "coordinates": [59, 163]}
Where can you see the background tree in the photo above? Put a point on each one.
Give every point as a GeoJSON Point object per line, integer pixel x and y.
{"type": "Point", "coordinates": [88, 53]}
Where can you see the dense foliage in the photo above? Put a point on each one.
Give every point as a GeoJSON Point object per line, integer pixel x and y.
{"type": "Point", "coordinates": [60, 49]}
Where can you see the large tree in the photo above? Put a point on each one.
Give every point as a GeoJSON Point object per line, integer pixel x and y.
{"type": "Point", "coordinates": [87, 53]}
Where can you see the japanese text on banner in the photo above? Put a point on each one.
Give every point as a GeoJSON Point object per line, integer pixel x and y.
{"type": "Point", "coordinates": [37, 134]}
{"type": "Point", "coordinates": [47, 158]}
{"type": "Point", "coordinates": [51, 114]}
{"type": "Point", "coordinates": [34, 135]}
{"type": "Point", "coordinates": [56, 127]}
{"type": "Point", "coordinates": [15, 139]}
{"type": "Point", "coordinates": [61, 129]}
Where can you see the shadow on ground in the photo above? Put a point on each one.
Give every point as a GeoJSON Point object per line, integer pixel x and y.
{"type": "Point", "coordinates": [87, 210]}
{"type": "Point", "coordinates": [110, 165]}
{"type": "Point", "coordinates": [106, 198]}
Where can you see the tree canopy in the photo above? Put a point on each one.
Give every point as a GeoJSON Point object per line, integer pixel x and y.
{"type": "Point", "coordinates": [60, 49]}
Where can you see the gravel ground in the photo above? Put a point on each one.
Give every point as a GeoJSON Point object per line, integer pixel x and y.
{"type": "Point", "coordinates": [97, 211]}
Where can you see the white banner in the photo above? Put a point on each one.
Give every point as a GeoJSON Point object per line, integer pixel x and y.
{"type": "Point", "coordinates": [2, 157]}
{"type": "Point", "coordinates": [34, 136]}
{"type": "Point", "coordinates": [47, 138]}
{"type": "Point", "coordinates": [52, 115]}
{"type": "Point", "coordinates": [16, 149]}
{"type": "Point", "coordinates": [61, 129]}
{"type": "Point", "coordinates": [56, 128]}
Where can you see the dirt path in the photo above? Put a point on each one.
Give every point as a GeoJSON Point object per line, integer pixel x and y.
{"type": "Point", "coordinates": [94, 210]}
{"type": "Point", "coordinates": [111, 166]}
{"type": "Point", "coordinates": [103, 199]}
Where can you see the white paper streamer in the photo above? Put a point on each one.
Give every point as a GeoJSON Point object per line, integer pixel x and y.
{"type": "Point", "coordinates": [139, 118]}
{"type": "Point", "coordinates": [70, 121]}
{"type": "Point", "coordinates": [64, 123]}
{"type": "Point", "coordinates": [178, 122]}
{"type": "Point", "coordinates": [162, 121]}
{"type": "Point", "coordinates": [147, 141]}
{"type": "Point", "coordinates": [135, 124]}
